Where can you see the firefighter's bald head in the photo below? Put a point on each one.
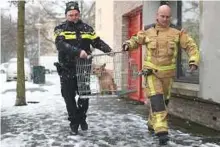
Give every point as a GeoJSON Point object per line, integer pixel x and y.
{"type": "Point", "coordinates": [164, 15]}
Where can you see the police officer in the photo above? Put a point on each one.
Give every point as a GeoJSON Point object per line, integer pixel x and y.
{"type": "Point", "coordinates": [162, 40]}
{"type": "Point", "coordinates": [73, 39]}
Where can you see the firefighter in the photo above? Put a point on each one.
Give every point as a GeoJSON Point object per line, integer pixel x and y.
{"type": "Point", "coordinates": [162, 40]}
{"type": "Point", "coordinates": [73, 39]}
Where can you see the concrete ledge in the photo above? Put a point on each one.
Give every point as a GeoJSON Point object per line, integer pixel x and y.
{"type": "Point", "coordinates": [185, 89]}
{"type": "Point", "coordinates": [196, 110]}
{"type": "Point", "coordinates": [186, 86]}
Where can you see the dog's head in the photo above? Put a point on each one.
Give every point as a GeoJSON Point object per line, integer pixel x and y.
{"type": "Point", "coordinates": [98, 69]}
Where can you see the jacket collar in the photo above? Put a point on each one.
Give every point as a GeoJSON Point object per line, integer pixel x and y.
{"type": "Point", "coordinates": [158, 27]}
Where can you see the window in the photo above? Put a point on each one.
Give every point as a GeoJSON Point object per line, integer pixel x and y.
{"type": "Point", "coordinates": [188, 14]}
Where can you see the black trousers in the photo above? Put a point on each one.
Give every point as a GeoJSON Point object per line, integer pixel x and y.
{"type": "Point", "coordinates": [76, 83]}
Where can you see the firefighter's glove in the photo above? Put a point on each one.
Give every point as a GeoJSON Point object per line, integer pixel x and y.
{"type": "Point", "coordinates": [125, 47]}
{"type": "Point", "coordinates": [192, 67]}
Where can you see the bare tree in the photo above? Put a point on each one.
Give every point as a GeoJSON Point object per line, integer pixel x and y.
{"type": "Point", "coordinates": [8, 38]}
{"type": "Point", "coordinates": [87, 10]}
{"type": "Point", "coordinates": [49, 14]}
{"type": "Point", "coordinates": [20, 98]}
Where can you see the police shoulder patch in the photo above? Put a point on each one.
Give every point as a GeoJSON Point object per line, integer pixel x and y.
{"type": "Point", "coordinates": [58, 31]}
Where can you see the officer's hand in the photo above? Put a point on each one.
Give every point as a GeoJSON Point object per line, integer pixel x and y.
{"type": "Point", "coordinates": [192, 67]}
{"type": "Point", "coordinates": [111, 54]}
{"type": "Point", "coordinates": [125, 47]}
{"type": "Point", "coordinates": [83, 54]}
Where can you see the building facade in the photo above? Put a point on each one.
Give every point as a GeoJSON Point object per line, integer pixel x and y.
{"type": "Point", "coordinates": [196, 95]}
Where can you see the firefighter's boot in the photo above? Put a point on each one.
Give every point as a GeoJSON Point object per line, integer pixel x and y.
{"type": "Point", "coordinates": [163, 138]}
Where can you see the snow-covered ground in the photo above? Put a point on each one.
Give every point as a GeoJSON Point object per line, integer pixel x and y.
{"type": "Point", "coordinates": [112, 122]}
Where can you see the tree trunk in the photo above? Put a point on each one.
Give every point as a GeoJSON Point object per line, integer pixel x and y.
{"type": "Point", "coordinates": [20, 98]}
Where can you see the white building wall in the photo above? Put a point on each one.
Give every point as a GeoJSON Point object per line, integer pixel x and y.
{"type": "Point", "coordinates": [104, 28]}
{"type": "Point", "coordinates": [104, 20]}
{"type": "Point", "coordinates": [210, 52]}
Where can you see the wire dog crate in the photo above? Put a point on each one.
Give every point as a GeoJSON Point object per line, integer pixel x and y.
{"type": "Point", "coordinates": [105, 75]}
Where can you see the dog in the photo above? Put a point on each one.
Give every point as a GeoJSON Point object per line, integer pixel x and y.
{"type": "Point", "coordinates": [106, 82]}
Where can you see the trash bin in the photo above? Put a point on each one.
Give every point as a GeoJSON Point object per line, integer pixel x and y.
{"type": "Point", "coordinates": [39, 74]}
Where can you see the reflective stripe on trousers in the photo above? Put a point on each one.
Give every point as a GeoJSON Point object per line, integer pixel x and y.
{"type": "Point", "coordinates": [158, 90]}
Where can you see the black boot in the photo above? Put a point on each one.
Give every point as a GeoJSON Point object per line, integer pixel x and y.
{"type": "Point", "coordinates": [74, 128]}
{"type": "Point", "coordinates": [151, 131]}
{"type": "Point", "coordinates": [84, 125]}
{"type": "Point", "coordinates": [83, 107]}
{"type": "Point", "coordinates": [163, 138]}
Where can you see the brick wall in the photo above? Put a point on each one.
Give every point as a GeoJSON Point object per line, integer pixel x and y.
{"type": "Point", "coordinates": [120, 34]}
{"type": "Point", "coordinates": [120, 22]}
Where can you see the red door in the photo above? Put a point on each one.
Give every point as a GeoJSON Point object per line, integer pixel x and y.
{"type": "Point", "coordinates": [135, 25]}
